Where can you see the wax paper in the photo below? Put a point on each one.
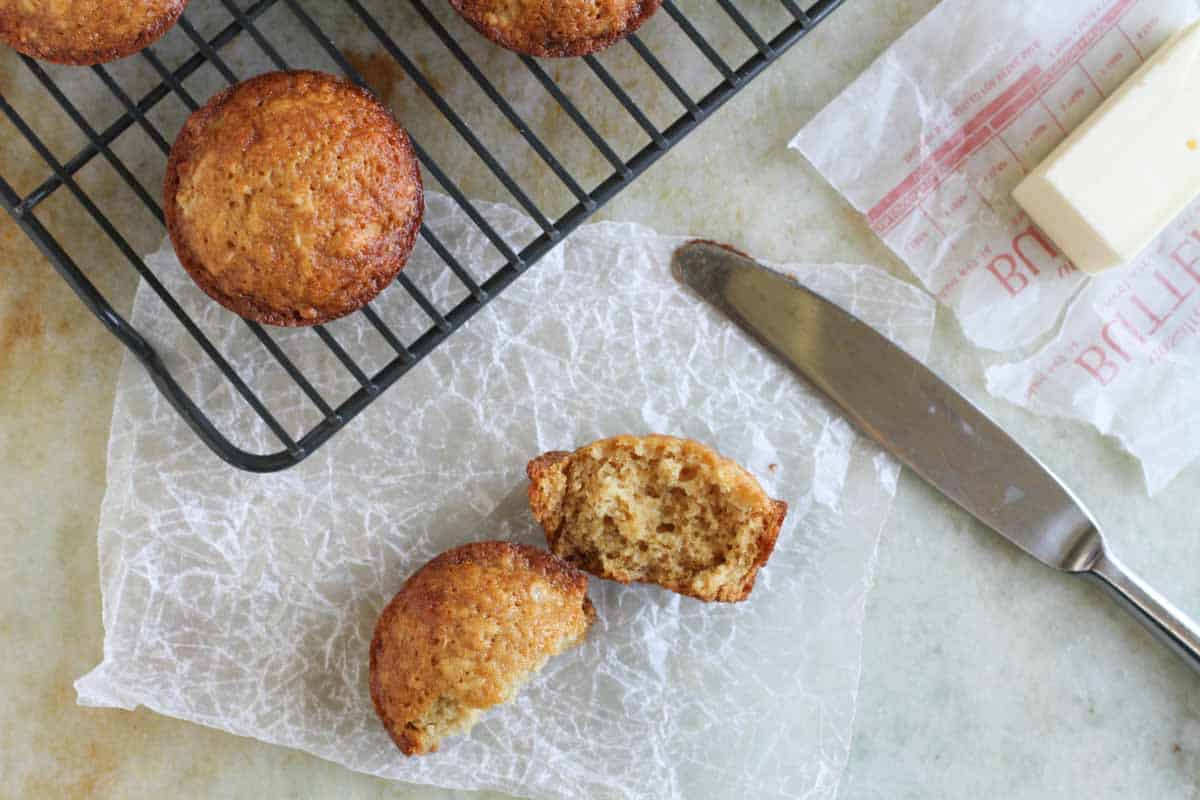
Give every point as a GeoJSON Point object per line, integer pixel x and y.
{"type": "Point", "coordinates": [247, 602]}
{"type": "Point", "coordinates": [929, 143]}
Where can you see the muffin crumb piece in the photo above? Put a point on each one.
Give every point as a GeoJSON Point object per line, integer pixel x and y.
{"type": "Point", "coordinates": [657, 509]}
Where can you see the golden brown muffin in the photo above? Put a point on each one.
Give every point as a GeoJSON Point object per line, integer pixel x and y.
{"type": "Point", "coordinates": [293, 198]}
{"type": "Point", "coordinates": [657, 509]}
{"type": "Point", "coordinates": [85, 32]}
{"type": "Point", "coordinates": [556, 28]}
{"type": "Point", "coordinates": [465, 632]}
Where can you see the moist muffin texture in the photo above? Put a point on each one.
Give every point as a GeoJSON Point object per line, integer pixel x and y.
{"type": "Point", "coordinates": [85, 32]}
{"type": "Point", "coordinates": [556, 28]}
{"type": "Point", "coordinates": [465, 632]}
{"type": "Point", "coordinates": [657, 509]}
{"type": "Point", "coordinates": [293, 198]}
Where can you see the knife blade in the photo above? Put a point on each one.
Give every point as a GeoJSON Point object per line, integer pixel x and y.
{"type": "Point", "coordinates": [926, 424]}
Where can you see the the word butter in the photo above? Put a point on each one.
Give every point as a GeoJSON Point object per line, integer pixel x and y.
{"type": "Point", "coordinates": [1130, 168]}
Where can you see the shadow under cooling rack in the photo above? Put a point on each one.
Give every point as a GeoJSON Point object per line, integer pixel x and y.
{"type": "Point", "coordinates": [81, 172]}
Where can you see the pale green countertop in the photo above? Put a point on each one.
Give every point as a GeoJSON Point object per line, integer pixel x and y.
{"type": "Point", "coordinates": [985, 674]}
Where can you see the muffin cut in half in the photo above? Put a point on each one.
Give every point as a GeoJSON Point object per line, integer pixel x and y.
{"type": "Point", "coordinates": [657, 509]}
{"type": "Point", "coordinates": [556, 28]}
{"type": "Point", "coordinates": [293, 198]}
{"type": "Point", "coordinates": [85, 32]}
{"type": "Point", "coordinates": [465, 632]}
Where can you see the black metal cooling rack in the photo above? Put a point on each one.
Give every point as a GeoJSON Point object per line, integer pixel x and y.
{"type": "Point", "coordinates": [754, 41]}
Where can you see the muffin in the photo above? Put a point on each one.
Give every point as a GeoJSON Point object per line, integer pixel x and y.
{"type": "Point", "coordinates": [293, 198]}
{"type": "Point", "coordinates": [556, 28]}
{"type": "Point", "coordinates": [657, 509]}
{"type": "Point", "coordinates": [85, 32]}
{"type": "Point", "coordinates": [465, 632]}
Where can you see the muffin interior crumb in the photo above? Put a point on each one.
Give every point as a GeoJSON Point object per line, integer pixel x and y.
{"type": "Point", "coordinates": [445, 717]}
{"type": "Point", "coordinates": [659, 511]}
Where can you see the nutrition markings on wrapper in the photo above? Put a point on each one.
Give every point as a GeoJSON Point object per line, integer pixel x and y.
{"type": "Point", "coordinates": [968, 179]}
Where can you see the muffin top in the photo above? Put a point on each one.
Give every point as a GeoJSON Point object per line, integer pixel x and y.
{"type": "Point", "coordinates": [85, 32]}
{"type": "Point", "coordinates": [293, 198]}
{"type": "Point", "coordinates": [548, 28]}
{"type": "Point", "coordinates": [466, 631]}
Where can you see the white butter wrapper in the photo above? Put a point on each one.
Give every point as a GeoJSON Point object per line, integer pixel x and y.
{"type": "Point", "coordinates": [930, 142]}
{"type": "Point", "coordinates": [1126, 357]}
{"type": "Point", "coordinates": [247, 602]}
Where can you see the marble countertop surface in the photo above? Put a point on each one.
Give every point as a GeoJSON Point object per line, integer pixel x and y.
{"type": "Point", "coordinates": [985, 674]}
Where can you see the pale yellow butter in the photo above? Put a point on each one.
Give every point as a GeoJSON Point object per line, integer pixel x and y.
{"type": "Point", "coordinates": [1123, 175]}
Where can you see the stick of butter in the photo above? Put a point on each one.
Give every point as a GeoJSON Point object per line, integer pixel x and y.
{"type": "Point", "coordinates": [1131, 168]}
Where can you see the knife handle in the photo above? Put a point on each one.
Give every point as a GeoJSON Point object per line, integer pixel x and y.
{"type": "Point", "coordinates": [1167, 623]}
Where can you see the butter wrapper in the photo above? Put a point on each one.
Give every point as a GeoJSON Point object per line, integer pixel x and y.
{"type": "Point", "coordinates": [929, 144]}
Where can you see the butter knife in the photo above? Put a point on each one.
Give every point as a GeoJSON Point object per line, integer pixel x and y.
{"type": "Point", "coordinates": [929, 426]}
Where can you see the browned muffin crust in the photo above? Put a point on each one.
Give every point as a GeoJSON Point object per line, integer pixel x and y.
{"type": "Point", "coordinates": [657, 509]}
{"type": "Point", "coordinates": [556, 28]}
{"type": "Point", "coordinates": [465, 632]}
{"type": "Point", "coordinates": [293, 198]}
{"type": "Point", "coordinates": [85, 32]}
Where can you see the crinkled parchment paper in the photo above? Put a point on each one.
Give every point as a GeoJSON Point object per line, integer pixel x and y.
{"type": "Point", "coordinates": [929, 144]}
{"type": "Point", "coordinates": [246, 602]}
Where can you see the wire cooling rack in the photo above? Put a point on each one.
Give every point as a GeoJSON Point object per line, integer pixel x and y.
{"type": "Point", "coordinates": [554, 138]}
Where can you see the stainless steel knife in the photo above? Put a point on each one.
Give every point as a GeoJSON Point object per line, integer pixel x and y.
{"type": "Point", "coordinates": [928, 425]}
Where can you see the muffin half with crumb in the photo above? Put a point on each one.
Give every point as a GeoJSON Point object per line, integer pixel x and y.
{"type": "Point", "coordinates": [293, 198]}
{"type": "Point", "coordinates": [556, 28]}
{"type": "Point", "coordinates": [657, 509]}
{"type": "Point", "coordinates": [85, 32]}
{"type": "Point", "coordinates": [466, 632]}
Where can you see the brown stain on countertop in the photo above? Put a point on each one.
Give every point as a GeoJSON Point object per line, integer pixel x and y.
{"type": "Point", "coordinates": [22, 296]}
{"type": "Point", "coordinates": [852, 216]}
{"type": "Point", "coordinates": [390, 82]}
{"type": "Point", "coordinates": [42, 323]}
{"type": "Point", "coordinates": [84, 765]}
{"type": "Point", "coordinates": [379, 70]}
{"type": "Point", "coordinates": [431, 74]}
{"type": "Point", "coordinates": [24, 329]}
